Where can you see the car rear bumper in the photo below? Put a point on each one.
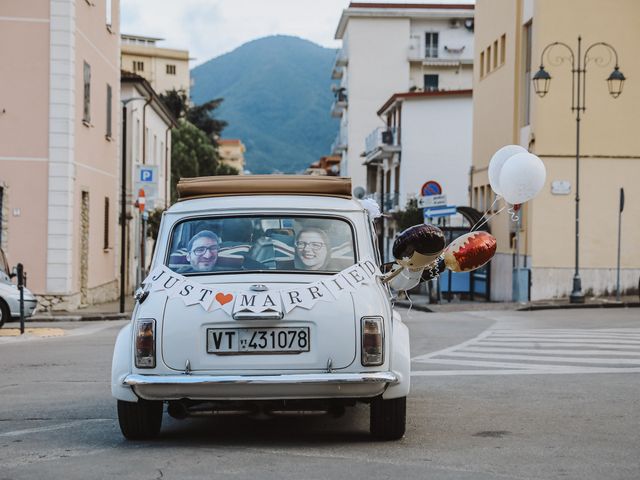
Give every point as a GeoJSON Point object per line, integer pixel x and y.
{"type": "Point", "coordinates": [260, 387]}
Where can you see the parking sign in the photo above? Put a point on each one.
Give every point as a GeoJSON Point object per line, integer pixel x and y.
{"type": "Point", "coordinates": [147, 179]}
{"type": "Point", "coordinates": [146, 174]}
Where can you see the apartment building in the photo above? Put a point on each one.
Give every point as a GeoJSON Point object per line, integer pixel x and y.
{"type": "Point", "coordinates": [511, 36]}
{"type": "Point", "coordinates": [164, 68]}
{"type": "Point", "coordinates": [59, 146]}
{"type": "Point", "coordinates": [394, 49]}
{"type": "Point", "coordinates": [426, 137]}
{"type": "Point", "coordinates": [231, 151]}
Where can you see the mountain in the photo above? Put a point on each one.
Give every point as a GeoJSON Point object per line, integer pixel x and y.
{"type": "Point", "coordinates": [277, 97]}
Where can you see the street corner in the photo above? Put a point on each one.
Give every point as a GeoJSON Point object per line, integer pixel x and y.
{"type": "Point", "coordinates": [31, 332]}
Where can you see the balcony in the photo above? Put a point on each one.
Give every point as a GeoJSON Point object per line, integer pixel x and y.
{"type": "Point", "coordinates": [340, 102]}
{"type": "Point", "coordinates": [340, 143]}
{"type": "Point", "coordinates": [341, 58]}
{"type": "Point", "coordinates": [388, 202]}
{"type": "Point", "coordinates": [381, 143]}
{"type": "Point", "coordinates": [391, 201]}
{"type": "Point", "coordinates": [447, 56]}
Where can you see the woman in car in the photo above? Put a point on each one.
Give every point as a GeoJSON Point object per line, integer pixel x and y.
{"type": "Point", "coordinates": [312, 250]}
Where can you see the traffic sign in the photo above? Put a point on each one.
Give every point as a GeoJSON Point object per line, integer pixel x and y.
{"type": "Point", "coordinates": [431, 188]}
{"type": "Point", "coordinates": [432, 201]}
{"type": "Point", "coordinates": [141, 201]}
{"type": "Point", "coordinates": [146, 174]}
{"type": "Point", "coordinates": [440, 211]}
{"type": "Point", "coordinates": [146, 177]}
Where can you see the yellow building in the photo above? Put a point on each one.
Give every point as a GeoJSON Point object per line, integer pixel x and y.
{"type": "Point", "coordinates": [231, 151]}
{"type": "Point", "coordinates": [510, 38]}
{"type": "Point", "coordinates": [164, 68]}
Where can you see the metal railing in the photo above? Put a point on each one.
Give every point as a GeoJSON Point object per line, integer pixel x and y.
{"type": "Point", "coordinates": [379, 137]}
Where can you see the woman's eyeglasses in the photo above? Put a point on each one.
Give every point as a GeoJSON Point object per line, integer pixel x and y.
{"type": "Point", "coordinates": [315, 246]}
{"type": "Point", "coordinates": [199, 251]}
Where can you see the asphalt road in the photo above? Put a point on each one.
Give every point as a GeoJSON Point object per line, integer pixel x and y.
{"type": "Point", "coordinates": [495, 395]}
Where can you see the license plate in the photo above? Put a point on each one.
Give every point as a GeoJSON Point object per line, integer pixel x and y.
{"type": "Point", "coordinates": [223, 341]}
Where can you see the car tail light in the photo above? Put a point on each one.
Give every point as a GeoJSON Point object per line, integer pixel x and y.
{"type": "Point", "coordinates": [372, 341]}
{"type": "Point", "coordinates": [145, 343]}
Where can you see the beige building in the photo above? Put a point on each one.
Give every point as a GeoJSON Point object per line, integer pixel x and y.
{"type": "Point", "coordinates": [164, 68]}
{"type": "Point", "coordinates": [510, 38]}
{"type": "Point", "coordinates": [231, 151]}
{"type": "Point", "coordinates": [59, 146]}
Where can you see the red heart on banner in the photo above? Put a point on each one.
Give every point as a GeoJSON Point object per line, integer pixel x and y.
{"type": "Point", "coordinates": [223, 298]}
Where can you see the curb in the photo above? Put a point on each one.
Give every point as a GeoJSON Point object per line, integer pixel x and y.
{"type": "Point", "coordinates": [96, 317]}
{"type": "Point", "coordinates": [531, 308]}
{"type": "Point", "coordinates": [526, 308]}
{"type": "Point", "coordinates": [414, 306]}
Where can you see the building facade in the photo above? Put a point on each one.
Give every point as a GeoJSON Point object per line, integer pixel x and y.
{"type": "Point", "coordinates": [59, 146]}
{"type": "Point", "coordinates": [510, 39]}
{"type": "Point", "coordinates": [231, 151]}
{"type": "Point", "coordinates": [389, 49]}
{"type": "Point", "coordinates": [148, 167]}
{"type": "Point", "coordinates": [164, 68]}
{"type": "Point", "coordinates": [427, 138]}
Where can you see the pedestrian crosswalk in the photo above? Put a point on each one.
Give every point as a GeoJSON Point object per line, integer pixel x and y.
{"type": "Point", "coordinates": [537, 351]}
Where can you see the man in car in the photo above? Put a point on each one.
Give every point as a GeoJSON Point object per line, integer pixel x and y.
{"type": "Point", "coordinates": [203, 251]}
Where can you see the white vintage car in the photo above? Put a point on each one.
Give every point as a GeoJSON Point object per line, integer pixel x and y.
{"type": "Point", "coordinates": [264, 296]}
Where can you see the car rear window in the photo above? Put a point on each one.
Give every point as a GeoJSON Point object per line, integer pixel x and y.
{"type": "Point", "coordinates": [205, 245]}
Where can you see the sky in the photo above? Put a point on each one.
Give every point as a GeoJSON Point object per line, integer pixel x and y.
{"type": "Point", "coordinates": [209, 28]}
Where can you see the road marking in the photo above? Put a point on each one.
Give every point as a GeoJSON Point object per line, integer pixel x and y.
{"type": "Point", "coordinates": [536, 351]}
{"type": "Point", "coordinates": [50, 428]}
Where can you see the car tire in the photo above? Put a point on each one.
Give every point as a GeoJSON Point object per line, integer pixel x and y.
{"type": "Point", "coordinates": [5, 314]}
{"type": "Point", "coordinates": [141, 420]}
{"type": "Point", "coordinates": [388, 418]}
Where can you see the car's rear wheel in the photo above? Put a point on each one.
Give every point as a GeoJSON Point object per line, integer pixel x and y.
{"type": "Point", "coordinates": [141, 420]}
{"type": "Point", "coordinates": [388, 418]}
{"type": "Point", "coordinates": [5, 314]}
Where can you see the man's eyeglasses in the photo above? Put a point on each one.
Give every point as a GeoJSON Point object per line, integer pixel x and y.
{"type": "Point", "coordinates": [199, 251]}
{"type": "Point", "coordinates": [315, 246]}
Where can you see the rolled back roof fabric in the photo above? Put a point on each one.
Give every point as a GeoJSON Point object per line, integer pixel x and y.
{"type": "Point", "coordinates": [225, 185]}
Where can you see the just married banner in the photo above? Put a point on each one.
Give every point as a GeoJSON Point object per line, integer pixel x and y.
{"type": "Point", "coordinates": [210, 297]}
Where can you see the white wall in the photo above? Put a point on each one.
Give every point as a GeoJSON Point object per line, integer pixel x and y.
{"type": "Point", "coordinates": [378, 68]}
{"type": "Point", "coordinates": [436, 145]}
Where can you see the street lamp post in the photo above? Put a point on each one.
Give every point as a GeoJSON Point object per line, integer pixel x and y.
{"type": "Point", "coordinates": [541, 83]}
{"type": "Point", "coordinates": [123, 200]}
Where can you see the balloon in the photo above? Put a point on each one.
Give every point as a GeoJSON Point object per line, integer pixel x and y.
{"type": "Point", "coordinates": [496, 163]}
{"type": "Point", "coordinates": [418, 246]}
{"type": "Point", "coordinates": [470, 251]}
{"type": "Point", "coordinates": [433, 270]}
{"type": "Point", "coordinates": [406, 279]}
{"type": "Point", "coordinates": [522, 177]}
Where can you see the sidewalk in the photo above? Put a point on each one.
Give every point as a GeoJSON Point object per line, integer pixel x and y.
{"type": "Point", "coordinates": [101, 311]}
{"type": "Point", "coordinates": [421, 302]}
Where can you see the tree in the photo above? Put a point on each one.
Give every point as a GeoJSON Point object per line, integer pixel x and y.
{"type": "Point", "coordinates": [194, 150]}
{"type": "Point", "coordinates": [202, 116]}
{"type": "Point", "coordinates": [193, 155]}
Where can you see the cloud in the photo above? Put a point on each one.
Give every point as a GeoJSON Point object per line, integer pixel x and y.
{"type": "Point", "coordinates": [208, 28]}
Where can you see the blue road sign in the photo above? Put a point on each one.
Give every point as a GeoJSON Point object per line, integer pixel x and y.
{"type": "Point", "coordinates": [146, 175]}
{"type": "Point", "coordinates": [431, 188]}
{"type": "Point", "coordinates": [440, 211]}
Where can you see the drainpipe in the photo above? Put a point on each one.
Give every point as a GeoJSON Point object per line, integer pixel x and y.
{"type": "Point", "coordinates": [167, 183]}
{"type": "Point", "coordinates": [471, 171]}
{"type": "Point", "coordinates": [144, 130]}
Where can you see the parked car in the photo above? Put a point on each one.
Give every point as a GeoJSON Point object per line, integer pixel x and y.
{"type": "Point", "coordinates": [263, 297]}
{"type": "Point", "coordinates": [10, 295]}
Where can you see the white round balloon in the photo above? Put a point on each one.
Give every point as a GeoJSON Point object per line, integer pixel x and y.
{"type": "Point", "coordinates": [522, 177]}
{"type": "Point", "coordinates": [497, 162]}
